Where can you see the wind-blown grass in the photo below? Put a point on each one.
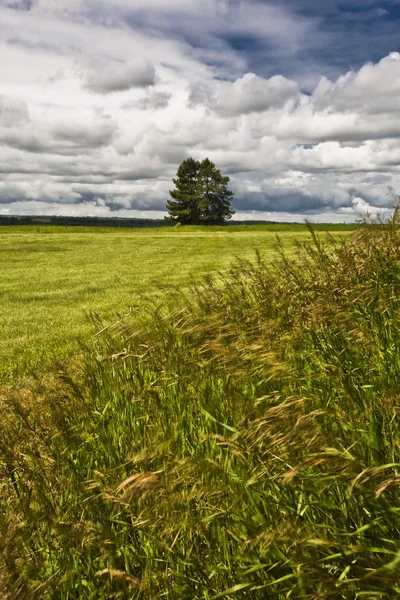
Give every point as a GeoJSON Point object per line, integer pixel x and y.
{"type": "Point", "coordinates": [239, 441]}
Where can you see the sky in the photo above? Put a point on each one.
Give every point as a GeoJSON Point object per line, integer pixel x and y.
{"type": "Point", "coordinates": [297, 101]}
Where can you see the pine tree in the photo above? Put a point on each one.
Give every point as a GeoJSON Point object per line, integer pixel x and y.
{"type": "Point", "coordinates": [214, 194]}
{"type": "Point", "coordinates": [184, 206]}
{"type": "Point", "coordinates": [201, 194]}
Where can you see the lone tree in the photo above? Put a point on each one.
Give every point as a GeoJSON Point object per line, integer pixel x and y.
{"type": "Point", "coordinates": [184, 206]}
{"type": "Point", "coordinates": [201, 194]}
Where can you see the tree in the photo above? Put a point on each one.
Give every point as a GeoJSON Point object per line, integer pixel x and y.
{"type": "Point", "coordinates": [215, 197]}
{"type": "Point", "coordinates": [201, 194]}
{"type": "Point", "coordinates": [184, 206]}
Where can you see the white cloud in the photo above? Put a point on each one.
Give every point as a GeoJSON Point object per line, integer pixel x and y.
{"type": "Point", "coordinates": [247, 94]}
{"type": "Point", "coordinates": [364, 211]}
{"type": "Point", "coordinates": [374, 89]}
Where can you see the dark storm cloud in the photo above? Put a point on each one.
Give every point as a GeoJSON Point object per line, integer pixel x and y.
{"type": "Point", "coordinates": [310, 201]}
{"type": "Point", "coordinates": [280, 201]}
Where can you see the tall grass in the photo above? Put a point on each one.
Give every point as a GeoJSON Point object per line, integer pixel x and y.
{"type": "Point", "coordinates": [240, 441]}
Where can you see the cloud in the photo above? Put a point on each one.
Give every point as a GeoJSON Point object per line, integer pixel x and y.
{"type": "Point", "coordinates": [13, 112]}
{"type": "Point", "coordinates": [247, 94]}
{"type": "Point", "coordinates": [84, 135]}
{"type": "Point", "coordinates": [18, 4]}
{"type": "Point", "coordinates": [57, 137]}
{"type": "Point", "coordinates": [153, 101]}
{"type": "Point", "coordinates": [105, 76]}
{"type": "Point", "coordinates": [365, 211]}
{"type": "Point", "coordinates": [374, 89]}
{"type": "Point", "coordinates": [293, 192]}
{"type": "Point", "coordinates": [359, 106]}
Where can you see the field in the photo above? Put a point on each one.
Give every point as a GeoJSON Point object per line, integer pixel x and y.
{"type": "Point", "coordinates": [52, 278]}
{"type": "Point", "coordinates": [239, 440]}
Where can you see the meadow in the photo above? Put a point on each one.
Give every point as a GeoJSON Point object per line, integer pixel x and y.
{"type": "Point", "coordinates": [236, 439]}
{"type": "Point", "coordinates": [53, 278]}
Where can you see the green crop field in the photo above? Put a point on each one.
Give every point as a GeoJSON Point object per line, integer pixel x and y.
{"type": "Point", "coordinates": [52, 278]}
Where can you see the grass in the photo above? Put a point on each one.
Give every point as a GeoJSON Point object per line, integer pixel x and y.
{"type": "Point", "coordinates": [238, 439]}
{"type": "Point", "coordinates": [53, 277]}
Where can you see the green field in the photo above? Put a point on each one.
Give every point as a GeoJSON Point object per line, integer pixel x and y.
{"type": "Point", "coordinates": [52, 278]}
{"type": "Point", "coordinates": [241, 441]}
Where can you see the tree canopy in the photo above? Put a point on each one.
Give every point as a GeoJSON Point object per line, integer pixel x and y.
{"type": "Point", "coordinates": [201, 194]}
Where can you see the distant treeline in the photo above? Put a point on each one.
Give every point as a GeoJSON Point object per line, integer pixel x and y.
{"type": "Point", "coordinates": [131, 222]}
{"type": "Point", "coordinates": [82, 221]}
